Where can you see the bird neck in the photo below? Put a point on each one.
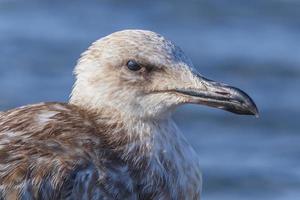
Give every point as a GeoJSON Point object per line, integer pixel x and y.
{"type": "Point", "coordinates": [129, 136]}
{"type": "Point", "coordinates": [132, 135]}
{"type": "Point", "coordinates": [130, 128]}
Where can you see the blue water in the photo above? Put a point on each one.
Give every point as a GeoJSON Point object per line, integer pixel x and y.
{"type": "Point", "coordinates": [254, 45]}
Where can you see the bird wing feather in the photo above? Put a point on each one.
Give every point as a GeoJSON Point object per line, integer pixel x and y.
{"type": "Point", "coordinates": [49, 151]}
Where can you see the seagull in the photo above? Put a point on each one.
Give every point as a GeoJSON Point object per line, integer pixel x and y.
{"type": "Point", "coordinates": [115, 138]}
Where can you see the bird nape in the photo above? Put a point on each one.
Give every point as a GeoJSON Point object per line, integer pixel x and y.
{"type": "Point", "coordinates": [115, 139]}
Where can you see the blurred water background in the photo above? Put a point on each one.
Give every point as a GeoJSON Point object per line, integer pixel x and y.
{"type": "Point", "coordinates": [254, 45]}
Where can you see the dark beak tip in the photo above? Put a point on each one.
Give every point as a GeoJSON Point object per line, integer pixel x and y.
{"type": "Point", "coordinates": [252, 108]}
{"type": "Point", "coordinates": [247, 105]}
{"type": "Point", "coordinates": [244, 111]}
{"type": "Point", "coordinates": [255, 111]}
{"type": "Point", "coordinates": [249, 108]}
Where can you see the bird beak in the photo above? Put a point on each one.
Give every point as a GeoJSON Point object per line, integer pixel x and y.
{"type": "Point", "coordinates": [221, 96]}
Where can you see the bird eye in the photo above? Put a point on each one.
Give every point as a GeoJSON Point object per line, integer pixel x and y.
{"type": "Point", "coordinates": [133, 65]}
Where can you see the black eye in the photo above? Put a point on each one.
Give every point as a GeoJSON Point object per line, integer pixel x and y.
{"type": "Point", "coordinates": [133, 65]}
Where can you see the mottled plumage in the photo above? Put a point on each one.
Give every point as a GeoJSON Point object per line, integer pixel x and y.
{"type": "Point", "coordinates": [115, 139]}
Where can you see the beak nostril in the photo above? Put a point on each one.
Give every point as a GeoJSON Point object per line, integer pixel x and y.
{"type": "Point", "coordinates": [222, 93]}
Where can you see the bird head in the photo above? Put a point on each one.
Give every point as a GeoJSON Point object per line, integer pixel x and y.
{"type": "Point", "coordinates": [141, 74]}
